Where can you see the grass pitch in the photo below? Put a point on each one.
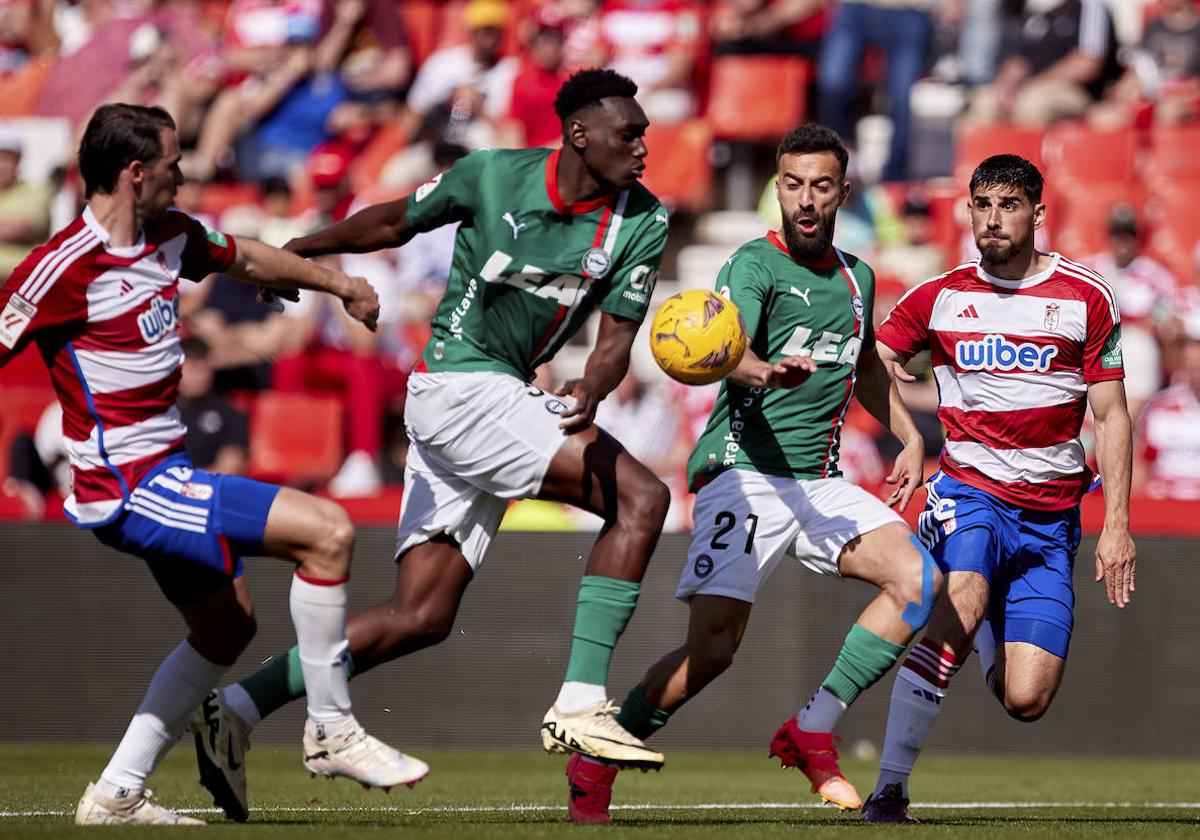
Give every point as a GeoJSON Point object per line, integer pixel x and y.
{"type": "Point", "coordinates": [520, 794]}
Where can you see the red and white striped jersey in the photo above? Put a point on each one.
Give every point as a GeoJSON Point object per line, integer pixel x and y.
{"type": "Point", "coordinates": [1169, 442]}
{"type": "Point", "coordinates": [105, 320]}
{"type": "Point", "coordinates": [1013, 359]}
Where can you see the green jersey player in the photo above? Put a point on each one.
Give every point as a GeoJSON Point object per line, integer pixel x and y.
{"type": "Point", "coordinates": [767, 482]}
{"type": "Point", "coordinates": [545, 238]}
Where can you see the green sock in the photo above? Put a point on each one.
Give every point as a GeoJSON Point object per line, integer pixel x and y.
{"type": "Point", "coordinates": [864, 658]}
{"type": "Point", "coordinates": [639, 717]}
{"type": "Point", "coordinates": [605, 605]}
{"type": "Point", "coordinates": [280, 681]}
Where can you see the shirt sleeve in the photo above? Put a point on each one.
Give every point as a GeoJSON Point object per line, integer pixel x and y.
{"type": "Point", "coordinates": [207, 250]}
{"type": "Point", "coordinates": [1102, 359]}
{"type": "Point", "coordinates": [906, 328]}
{"type": "Point", "coordinates": [448, 196]}
{"type": "Point", "coordinates": [634, 278]}
{"type": "Point", "coordinates": [744, 281]}
{"type": "Point", "coordinates": [21, 319]}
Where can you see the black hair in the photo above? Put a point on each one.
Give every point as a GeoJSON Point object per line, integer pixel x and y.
{"type": "Point", "coordinates": [810, 138]}
{"type": "Point", "coordinates": [587, 87]}
{"type": "Point", "coordinates": [1009, 171]}
{"type": "Point", "coordinates": [274, 184]}
{"type": "Point", "coordinates": [115, 137]}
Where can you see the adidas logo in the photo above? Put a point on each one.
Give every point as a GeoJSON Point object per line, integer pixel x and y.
{"type": "Point", "coordinates": [126, 287]}
{"type": "Point", "coordinates": [969, 312]}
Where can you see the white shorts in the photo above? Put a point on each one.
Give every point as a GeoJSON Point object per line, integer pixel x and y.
{"type": "Point", "coordinates": [746, 521]}
{"type": "Point", "coordinates": [477, 441]}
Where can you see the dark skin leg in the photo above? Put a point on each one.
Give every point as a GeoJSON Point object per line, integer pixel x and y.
{"type": "Point", "coordinates": [591, 471]}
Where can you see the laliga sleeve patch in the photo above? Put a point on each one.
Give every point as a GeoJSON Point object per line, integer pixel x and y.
{"type": "Point", "coordinates": [1111, 352]}
{"type": "Point", "coordinates": [14, 320]}
{"type": "Point", "coordinates": [428, 187]}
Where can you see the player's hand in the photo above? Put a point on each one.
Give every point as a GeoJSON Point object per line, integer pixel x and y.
{"type": "Point", "coordinates": [790, 372]}
{"type": "Point", "coordinates": [1116, 562]}
{"type": "Point", "coordinates": [587, 397]}
{"type": "Point", "coordinates": [898, 372]}
{"type": "Point", "coordinates": [907, 474]}
{"type": "Point", "coordinates": [361, 302]}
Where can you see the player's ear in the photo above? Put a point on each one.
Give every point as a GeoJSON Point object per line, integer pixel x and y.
{"type": "Point", "coordinates": [1039, 215]}
{"type": "Point", "coordinates": [845, 193]}
{"type": "Point", "coordinates": [577, 133]}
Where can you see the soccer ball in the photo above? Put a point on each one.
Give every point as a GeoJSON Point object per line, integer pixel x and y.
{"type": "Point", "coordinates": [697, 337]}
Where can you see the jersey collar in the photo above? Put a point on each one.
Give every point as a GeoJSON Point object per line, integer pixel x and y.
{"type": "Point", "coordinates": [1024, 282]}
{"type": "Point", "coordinates": [823, 263]}
{"type": "Point", "coordinates": [556, 199]}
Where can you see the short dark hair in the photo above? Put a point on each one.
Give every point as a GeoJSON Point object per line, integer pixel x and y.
{"type": "Point", "coordinates": [115, 137]}
{"type": "Point", "coordinates": [811, 138]}
{"type": "Point", "coordinates": [1009, 171]}
{"type": "Point", "coordinates": [587, 87]}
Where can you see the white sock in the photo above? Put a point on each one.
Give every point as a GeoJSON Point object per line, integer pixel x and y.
{"type": "Point", "coordinates": [574, 696]}
{"type": "Point", "coordinates": [917, 694]}
{"type": "Point", "coordinates": [985, 644]}
{"type": "Point", "coordinates": [821, 714]}
{"type": "Point", "coordinates": [319, 615]}
{"type": "Point", "coordinates": [179, 686]}
{"type": "Point", "coordinates": [238, 701]}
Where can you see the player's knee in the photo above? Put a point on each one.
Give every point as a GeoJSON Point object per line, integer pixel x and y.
{"type": "Point", "coordinates": [647, 506]}
{"type": "Point", "coordinates": [708, 661]}
{"type": "Point", "coordinates": [1026, 705]}
{"type": "Point", "coordinates": [334, 541]}
{"type": "Point", "coordinates": [429, 624]}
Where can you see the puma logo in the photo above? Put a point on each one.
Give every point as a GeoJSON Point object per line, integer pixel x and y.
{"type": "Point", "coordinates": [802, 295]}
{"type": "Point", "coordinates": [512, 223]}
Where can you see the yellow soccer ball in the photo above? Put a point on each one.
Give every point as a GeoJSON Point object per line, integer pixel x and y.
{"type": "Point", "coordinates": [697, 337]}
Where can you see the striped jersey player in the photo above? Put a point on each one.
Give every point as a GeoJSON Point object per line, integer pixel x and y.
{"type": "Point", "coordinates": [1021, 343]}
{"type": "Point", "coordinates": [100, 300]}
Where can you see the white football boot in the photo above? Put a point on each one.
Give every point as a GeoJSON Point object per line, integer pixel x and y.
{"type": "Point", "coordinates": [349, 751]}
{"type": "Point", "coordinates": [593, 731]}
{"type": "Point", "coordinates": [97, 809]}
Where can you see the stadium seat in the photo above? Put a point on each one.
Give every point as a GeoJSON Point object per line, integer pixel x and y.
{"type": "Point", "coordinates": [19, 92]}
{"type": "Point", "coordinates": [678, 170]}
{"type": "Point", "coordinates": [757, 97]}
{"type": "Point", "coordinates": [1174, 154]}
{"type": "Point", "coordinates": [420, 19]}
{"type": "Point", "coordinates": [295, 438]}
{"type": "Point", "coordinates": [216, 198]}
{"type": "Point", "coordinates": [974, 143]}
{"type": "Point", "coordinates": [1175, 224]}
{"type": "Point", "coordinates": [1077, 214]}
{"type": "Point", "coordinates": [1076, 152]}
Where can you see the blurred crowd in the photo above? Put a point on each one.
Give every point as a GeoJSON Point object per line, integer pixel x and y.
{"type": "Point", "coordinates": [295, 113]}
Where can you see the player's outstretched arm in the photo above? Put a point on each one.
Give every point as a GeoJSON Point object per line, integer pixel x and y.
{"type": "Point", "coordinates": [1116, 555]}
{"type": "Point", "coordinates": [876, 390]}
{"type": "Point", "coordinates": [788, 372]}
{"type": "Point", "coordinates": [370, 229]}
{"type": "Point", "coordinates": [606, 367]}
{"type": "Point", "coordinates": [276, 269]}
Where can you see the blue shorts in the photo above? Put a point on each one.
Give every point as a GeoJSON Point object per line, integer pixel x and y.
{"type": "Point", "coordinates": [1027, 557]}
{"type": "Point", "coordinates": [192, 527]}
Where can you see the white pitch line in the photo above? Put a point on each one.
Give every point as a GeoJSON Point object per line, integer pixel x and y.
{"type": "Point", "coordinates": [699, 806]}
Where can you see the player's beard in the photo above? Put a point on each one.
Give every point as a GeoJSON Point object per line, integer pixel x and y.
{"type": "Point", "coordinates": [808, 248]}
{"type": "Point", "coordinates": [1000, 252]}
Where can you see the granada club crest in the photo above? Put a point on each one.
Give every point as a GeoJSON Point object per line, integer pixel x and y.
{"type": "Point", "coordinates": [596, 262]}
{"type": "Point", "coordinates": [1052, 312]}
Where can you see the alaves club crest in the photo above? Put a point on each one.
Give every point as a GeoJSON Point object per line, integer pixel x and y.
{"type": "Point", "coordinates": [596, 263]}
{"type": "Point", "coordinates": [856, 303]}
{"type": "Point", "coordinates": [1051, 321]}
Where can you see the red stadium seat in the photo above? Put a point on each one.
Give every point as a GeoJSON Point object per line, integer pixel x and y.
{"type": "Point", "coordinates": [974, 143]}
{"type": "Point", "coordinates": [1175, 224]}
{"type": "Point", "coordinates": [1077, 214]}
{"type": "Point", "coordinates": [1076, 152]}
{"type": "Point", "coordinates": [295, 438]}
{"type": "Point", "coordinates": [677, 168]}
{"type": "Point", "coordinates": [420, 19]}
{"type": "Point", "coordinates": [1174, 154]}
{"type": "Point", "coordinates": [757, 97]}
{"type": "Point", "coordinates": [216, 198]}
